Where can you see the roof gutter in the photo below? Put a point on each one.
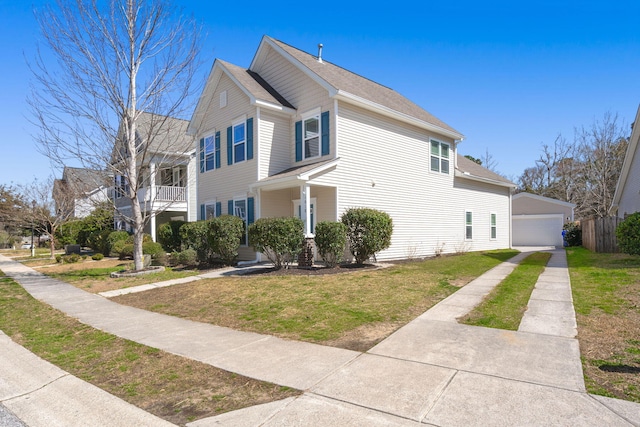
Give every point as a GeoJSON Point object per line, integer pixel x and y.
{"type": "Point", "coordinates": [467, 175]}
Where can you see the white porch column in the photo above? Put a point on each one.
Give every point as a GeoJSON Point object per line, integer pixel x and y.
{"type": "Point", "coordinates": [152, 183]}
{"type": "Point", "coordinates": [305, 208]}
{"type": "Point", "coordinates": [152, 224]}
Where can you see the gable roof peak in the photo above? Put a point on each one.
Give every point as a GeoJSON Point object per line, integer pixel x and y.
{"type": "Point", "coordinates": [353, 88]}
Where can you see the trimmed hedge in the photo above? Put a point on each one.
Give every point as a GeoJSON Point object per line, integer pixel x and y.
{"type": "Point", "coordinates": [169, 235]}
{"type": "Point", "coordinates": [224, 236]}
{"type": "Point", "coordinates": [280, 239]}
{"type": "Point", "coordinates": [331, 240]}
{"type": "Point", "coordinates": [368, 232]}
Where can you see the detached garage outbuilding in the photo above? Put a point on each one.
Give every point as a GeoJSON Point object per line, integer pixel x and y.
{"type": "Point", "coordinates": [538, 220]}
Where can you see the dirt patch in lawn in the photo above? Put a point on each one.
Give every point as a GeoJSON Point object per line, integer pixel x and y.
{"type": "Point", "coordinates": [610, 348]}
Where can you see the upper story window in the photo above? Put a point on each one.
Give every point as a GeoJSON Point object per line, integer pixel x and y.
{"type": "Point", "coordinates": [311, 137]}
{"type": "Point", "coordinates": [240, 140]}
{"type": "Point", "coordinates": [239, 143]}
{"type": "Point", "coordinates": [210, 152]}
{"type": "Point", "coordinates": [440, 157]}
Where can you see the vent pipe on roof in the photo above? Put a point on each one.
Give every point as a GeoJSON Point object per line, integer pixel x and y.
{"type": "Point", "coordinates": [319, 52]}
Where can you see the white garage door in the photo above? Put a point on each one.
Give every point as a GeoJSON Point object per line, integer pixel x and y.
{"type": "Point", "coordinates": [537, 230]}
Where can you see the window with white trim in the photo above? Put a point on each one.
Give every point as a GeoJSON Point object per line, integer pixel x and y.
{"type": "Point", "coordinates": [440, 152]}
{"type": "Point", "coordinates": [209, 153]}
{"type": "Point", "coordinates": [468, 229]}
{"type": "Point", "coordinates": [240, 210]}
{"type": "Point", "coordinates": [311, 137]}
{"type": "Point", "coordinates": [239, 142]}
{"type": "Point", "coordinates": [209, 210]}
{"type": "Point", "coordinates": [494, 226]}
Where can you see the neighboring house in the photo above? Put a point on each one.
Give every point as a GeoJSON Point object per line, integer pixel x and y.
{"type": "Point", "coordinates": [295, 135]}
{"type": "Point", "coordinates": [80, 190]}
{"type": "Point", "coordinates": [626, 199]}
{"type": "Point", "coordinates": [168, 190]}
{"type": "Point", "coordinates": [538, 220]}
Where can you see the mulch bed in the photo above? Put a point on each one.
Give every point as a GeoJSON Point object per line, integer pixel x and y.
{"type": "Point", "coordinates": [311, 271]}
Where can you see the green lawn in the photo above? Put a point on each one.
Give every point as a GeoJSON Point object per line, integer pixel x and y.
{"type": "Point", "coordinates": [357, 309]}
{"type": "Point", "coordinates": [504, 307]}
{"type": "Point", "coordinates": [606, 297]}
{"type": "Point", "coordinates": [174, 388]}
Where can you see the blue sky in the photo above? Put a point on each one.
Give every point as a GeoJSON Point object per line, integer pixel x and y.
{"type": "Point", "coordinates": [509, 75]}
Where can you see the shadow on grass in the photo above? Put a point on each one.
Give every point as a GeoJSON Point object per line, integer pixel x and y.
{"type": "Point", "coordinates": [621, 369]}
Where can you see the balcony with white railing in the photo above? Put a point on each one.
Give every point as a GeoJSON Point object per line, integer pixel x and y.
{"type": "Point", "coordinates": [162, 194]}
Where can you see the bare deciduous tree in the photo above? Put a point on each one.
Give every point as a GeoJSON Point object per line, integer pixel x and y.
{"type": "Point", "coordinates": [52, 206]}
{"type": "Point", "coordinates": [584, 172]}
{"type": "Point", "coordinates": [601, 148]}
{"type": "Point", "coordinates": [106, 67]}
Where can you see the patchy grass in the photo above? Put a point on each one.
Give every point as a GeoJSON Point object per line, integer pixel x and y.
{"type": "Point", "coordinates": [172, 387]}
{"type": "Point", "coordinates": [504, 307]}
{"type": "Point", "coordinates": [606, 297]}
{"type": "Point", "coordinates": [94, 276]}
{"type": "Point", "coordinates": [353, 311]}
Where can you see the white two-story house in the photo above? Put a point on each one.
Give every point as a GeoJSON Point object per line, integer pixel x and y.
{"type": "Point", "coordinates": [297, 135]}
{"type": "Point", "coordinates": [167, 184]}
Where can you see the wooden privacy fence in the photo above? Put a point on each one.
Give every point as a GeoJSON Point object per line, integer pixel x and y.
{"type": "Point", "coordinates": [599, 234]}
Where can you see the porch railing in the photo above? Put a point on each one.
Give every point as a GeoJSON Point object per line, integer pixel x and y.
{"type": "Point", "coordinates": [171, 194]}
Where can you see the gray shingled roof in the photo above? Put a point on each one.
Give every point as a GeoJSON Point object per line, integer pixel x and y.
{"type": "Point", "coordinates": [347, 81]}
{"type": "Point", "coordinates": [473, 169]}
{"type": "Point", "coordinates": [84, 181]}
{"type": "Point", "coordinates": [255, 84]}
{"type": "Point", "coordinates": [167, 134]}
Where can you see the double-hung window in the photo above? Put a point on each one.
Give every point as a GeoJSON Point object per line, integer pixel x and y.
{"type": "Point", "coordinates": [240, 210]}
{"type": "Point", "coordinates": [494, 227]}
{"type": "Point", "coordinates": [311, 137]}
{"type": "Point", "coordinates": [440, 157]}
{"type": "Point", "coordinates": [209, 153]}
{"type": "Point", "coordinates": [209, 210]}
{"type": "Point", "coordinates": [468, 215]}
{"type": "Point", "coordinates": [239, 143]}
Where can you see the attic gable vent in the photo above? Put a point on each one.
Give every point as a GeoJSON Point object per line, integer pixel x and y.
{"type": "Point", "coordinates": [223, 99]}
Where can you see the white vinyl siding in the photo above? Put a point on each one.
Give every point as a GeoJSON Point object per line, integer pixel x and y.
{"type": "Point", "coordinates": [274, 146]}
{"type": "Point", "coordinates": [230, 180]}
{"type": "Point", "coordinates": [423, 205]}
{"type": "Point", "coordinates": [630, 197]}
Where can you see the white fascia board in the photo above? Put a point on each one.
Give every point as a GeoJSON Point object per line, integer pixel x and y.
{"type": "Point", "coordinates": [289, 181]}
{"type": "Point", "coordinates": [279, 183]}
{"type": "Point", "coordinates": [274, 107]}
{"type": "Point", "coordinates": [306, 176]}
{"type": "Point", "coordinates": [386, 111]}
{"type": "Point", "coordinates": [467, 175]}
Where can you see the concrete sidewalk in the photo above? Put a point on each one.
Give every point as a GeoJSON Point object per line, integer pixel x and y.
{"type": "Point", "coordinates": [432, 371]}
